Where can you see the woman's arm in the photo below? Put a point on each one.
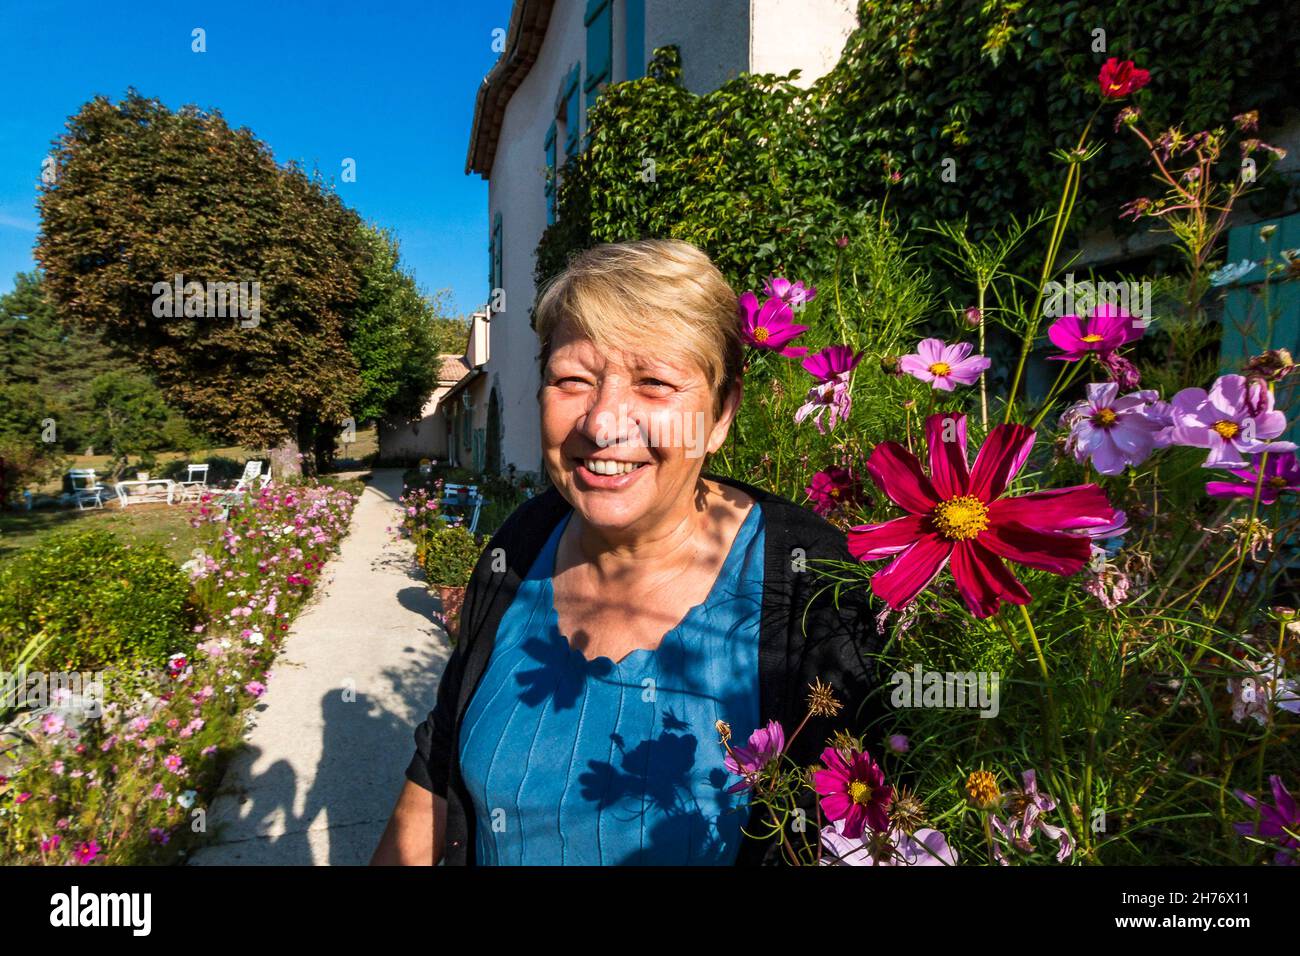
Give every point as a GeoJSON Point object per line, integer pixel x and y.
{"type": "Point", "coordinates": [416, 831]}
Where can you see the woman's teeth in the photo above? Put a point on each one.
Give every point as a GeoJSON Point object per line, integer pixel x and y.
{"type": "Point", "coordinates": [602, 467]}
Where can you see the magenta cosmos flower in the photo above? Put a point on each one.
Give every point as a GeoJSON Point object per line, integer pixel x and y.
{"type": "Point", "coordinates": [944, 366]}
{"type": "Point", "coordinates": [1105, 329]}
{"type": "Point", "coordinates": [792, 293]}
{"type": "Point", "coordinates": [1281, 473]}
{"type": "Point", "coordinates": [958, 514]}
{"type": "Point", "coordinates": [770, 326]}
{"type": "Point", "coordinates": [832, 367]}
{"type": "Point", "coordinates": [1274, 821]}
{"type": "Point", "coordinates": [1113, 432]}
{"type": "Point", "coordinates": [854, 791]}
{"type": "Point", "coordinates": [765, 745]}
{"type": "Point", "coordinates": [832, 488]}
{"type": "Point", "coordinates": [1233, 419]}
{"type": "Point", "coordinates": [1118, 78]}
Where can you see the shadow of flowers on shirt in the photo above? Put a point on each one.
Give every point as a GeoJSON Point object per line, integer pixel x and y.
{"type": "Point", "coordinates": [653, 781]}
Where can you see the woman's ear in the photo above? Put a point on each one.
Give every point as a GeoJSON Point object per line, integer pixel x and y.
{"type": "Point", "coordinates": [730, 408]}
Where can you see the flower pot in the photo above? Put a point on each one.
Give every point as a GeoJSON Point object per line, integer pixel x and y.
{"type": "Point", "coordinates": [452, 598]}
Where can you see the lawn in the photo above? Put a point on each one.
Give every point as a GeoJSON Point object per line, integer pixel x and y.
{"type": "Point", "coordinates": [167, 525]}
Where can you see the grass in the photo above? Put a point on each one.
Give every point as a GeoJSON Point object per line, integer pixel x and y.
{"type": "Point", "coordinates": [167, 525]}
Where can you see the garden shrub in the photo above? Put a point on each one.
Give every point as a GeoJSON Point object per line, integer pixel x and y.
{"type": "Point", "coordinates": [450, 555]}
{"type": "Point", "coordinates": [104, 601]}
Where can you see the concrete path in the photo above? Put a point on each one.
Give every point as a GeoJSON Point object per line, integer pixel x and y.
{"type": "Point", "coordinates": [333, 734]}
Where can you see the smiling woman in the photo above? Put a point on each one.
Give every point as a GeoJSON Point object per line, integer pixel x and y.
{"type": "Point", "coordinates": [642, 602]}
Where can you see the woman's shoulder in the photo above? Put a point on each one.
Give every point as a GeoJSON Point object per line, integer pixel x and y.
{"type": "Point", "coordinates": [789, 524]}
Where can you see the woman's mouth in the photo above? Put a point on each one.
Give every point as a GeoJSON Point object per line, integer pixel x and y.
{"type": "Point", "coordinates": [608, 473]}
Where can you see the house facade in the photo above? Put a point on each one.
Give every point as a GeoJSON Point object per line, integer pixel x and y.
{"type": "Point", "coordinates": [530, 115]}
{"type": "Point", "coordinates": [456, 420]}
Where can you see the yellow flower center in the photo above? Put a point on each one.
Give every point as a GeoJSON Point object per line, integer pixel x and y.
{"type": "Point", "coordinates": [1091, 337]}
{"type": "Point", "coordinates": [860, 792]}
{"type": "Point", "coordinates": [834, 492]}
{"type": "Point", "coordinates": [761, 334]}
{"type": "Point", "coordinates": [1277, 481]}
{"type": "Point", "coordinates": [982, 788]}
{"type": "Point", "coordinates": [1226, 429]}
{"type": "Point", "coordinates": [1105, 417]}
{"type": "Point", "coordinates": [940, 368]}
{"type": "Point", "coordinates": [961, 518]}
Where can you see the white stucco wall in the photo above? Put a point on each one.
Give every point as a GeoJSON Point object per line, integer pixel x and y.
{"type": "Point", "coordinates": [807, 35]}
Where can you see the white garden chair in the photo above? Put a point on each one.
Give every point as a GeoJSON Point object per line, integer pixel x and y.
{"type": "Point", "coordinates": [195, 483]}
{"type": "Point", "coordinates": [86, 487]}
{"type": "Point", "coordinates": [236, 495]}
{"type": "Point", "coordinates": [462, 496]}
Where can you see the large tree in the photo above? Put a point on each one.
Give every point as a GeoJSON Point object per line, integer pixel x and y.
{"type": "Point", "coordinates": [143, 195]}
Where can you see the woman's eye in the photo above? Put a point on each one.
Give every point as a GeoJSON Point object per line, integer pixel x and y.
{"type": "Point", "coordinates": [655, 382]}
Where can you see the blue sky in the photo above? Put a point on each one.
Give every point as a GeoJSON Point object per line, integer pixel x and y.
{"type": "Point", "coordinates": [390, 84]}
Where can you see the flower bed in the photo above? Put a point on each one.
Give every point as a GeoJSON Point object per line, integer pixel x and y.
{"type": "Point", "coordinates": [1091, 656]}
{"type": "Point", "coordinates": [130, 784]}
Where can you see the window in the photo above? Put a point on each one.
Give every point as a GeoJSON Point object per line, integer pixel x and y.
{"type": "Point", "coordinates": [494, 265]}
{"type": "Point", "coordinates": [600, 44]}
{"type": "Point", "coordinates": [550, 174]}
{"type": "Point", "coordinates": [634, 38]}
{"type": "Point", "coordinates": [568, 110]}
{"type": "Point", "coordinates": [563, 131]}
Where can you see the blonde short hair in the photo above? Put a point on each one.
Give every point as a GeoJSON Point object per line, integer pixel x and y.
{"type": "Point", "coordinates": [652, 297]}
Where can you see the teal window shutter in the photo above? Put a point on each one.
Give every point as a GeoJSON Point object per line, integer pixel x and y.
{"type": "Point", "coordinates": [1247, 328]}
{"type": "Point", "coordinates": [634, 38]}
{"type": "Point", "coordinates": [572, 115]}
{"type": "Point", "coordinates": [600, 44]}
{"type": "Point", "coordinates": [498, 279]}
{"type": "Point", "coordinates": [550, 174]}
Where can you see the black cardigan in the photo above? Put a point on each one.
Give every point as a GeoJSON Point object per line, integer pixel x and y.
{"type": "Point", "coordinates": [802, 635]}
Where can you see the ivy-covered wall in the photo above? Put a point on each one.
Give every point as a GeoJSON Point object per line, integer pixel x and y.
{"type": "Point", "coordinates": [764, 175]}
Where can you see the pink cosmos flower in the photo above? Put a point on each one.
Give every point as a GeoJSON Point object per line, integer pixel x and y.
{"type": "Point", "coordinates": [1232, 420]}
{"type": "Point", "coordinates": [256, 688]}
{"type": "Point", "coordinates": [1112, 432]}
{"type": "Point", "coordinates": [959, 514]}
{"type": "Point", "coordinates": [832, 367]}
{"type": "Point", "coordinates": [1274, 821]}
{"type": "Point", "coordinates": [1030, 804]}
{"type": "Point", "coordinates": [944, 366]}
{"type": "Point", "coordinates": [791, 293]}
{"type": "Point", "coordinates": [1103, 331]}
{"type": "Point", "coordinates": [1281, 473]}
{"type": "Point", "coordinates": [765, 745]}
{"type": "Point", "coordinates": [854, 791]}
{"type": "Point", "coordinates": [832, 488]}
{"type": "Point", "coordinates": [770, 326]}
{"type": "Point", "coordinates": [86, 852]}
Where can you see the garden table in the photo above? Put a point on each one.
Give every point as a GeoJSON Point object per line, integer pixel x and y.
{"type": "Point", "coordinates": [154, 489]}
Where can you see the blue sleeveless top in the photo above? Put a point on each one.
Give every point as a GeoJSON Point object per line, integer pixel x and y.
{"type": "Point", "coordinates": [579, 762]}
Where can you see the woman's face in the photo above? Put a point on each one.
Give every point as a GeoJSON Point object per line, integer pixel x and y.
{"type": "Point", "coordinates": [623, 437]}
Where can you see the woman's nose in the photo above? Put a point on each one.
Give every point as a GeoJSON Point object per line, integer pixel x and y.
{"type": "Point", "coordinates": [611, 418]}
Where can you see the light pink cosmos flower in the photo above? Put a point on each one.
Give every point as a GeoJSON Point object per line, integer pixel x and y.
{"type": "Point", "coordinates": [1233, 420]}
{"type": "Point", "coordinates": [1113, 432]}
{"type": "Point", "coordinates": [925, 847]}
{"type": "Point", "coordinates": [944, 366]}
